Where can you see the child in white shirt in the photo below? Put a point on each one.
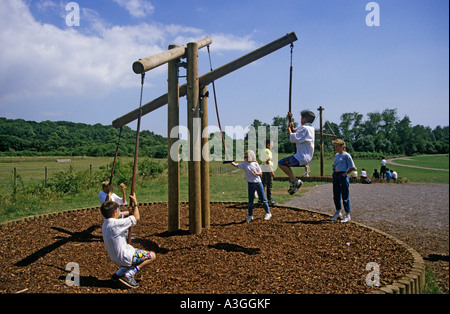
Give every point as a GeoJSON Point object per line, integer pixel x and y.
{"type": "Point", "coordinates": [253, 176]}
{"type": "Point", "coordinates": [303, 137]}
{"type": "Point", "coordinates": [121, 253]}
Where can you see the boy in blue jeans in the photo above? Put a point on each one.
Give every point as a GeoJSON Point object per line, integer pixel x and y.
{"type": "Point", "coordinates": [303, 137]}
{"type": "Point", "coordinates": [343, 165]}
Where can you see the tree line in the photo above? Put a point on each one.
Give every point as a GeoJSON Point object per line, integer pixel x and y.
{"type": "Point", "coordinates": [28, 138]}
{"type": "Point", "coordinates": [381, 133]}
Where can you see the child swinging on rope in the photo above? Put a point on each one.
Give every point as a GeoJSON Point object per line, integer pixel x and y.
{"type": "Point", "coordinates": [107, 189]}
{"type": "Point", "coordinates": [303, 137]}
{"type": "Point", "coordinates": [121, 253]}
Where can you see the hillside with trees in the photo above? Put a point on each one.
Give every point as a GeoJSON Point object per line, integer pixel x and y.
{"type": "Point", "coordinates": [381, 133]}
{"type": "Point", "coordinates": [27, 138]}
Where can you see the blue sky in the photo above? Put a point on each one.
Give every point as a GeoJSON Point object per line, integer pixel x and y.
{"type": "Point", "coordinates": [52, 71]}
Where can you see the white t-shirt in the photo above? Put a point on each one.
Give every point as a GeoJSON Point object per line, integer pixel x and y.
{"type": "Point", "coordinates": [114, 197]}
{"type": "Point", "coordinates": [115, 238]}
{"type": "Point", "coordinates": [248, 168]}
{"type": "Point", "coordinates": [304, 141]}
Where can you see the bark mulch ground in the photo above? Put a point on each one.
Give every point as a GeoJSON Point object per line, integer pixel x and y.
{"type": "Point", "coordinates": [295, 252]}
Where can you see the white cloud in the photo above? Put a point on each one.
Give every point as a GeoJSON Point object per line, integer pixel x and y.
{"type": "Point", "coordinates": [137, 8]}
{"type": "Point", "coordinates": [41, 60]}
{"type": "Point", "coordinates": [231, 42]}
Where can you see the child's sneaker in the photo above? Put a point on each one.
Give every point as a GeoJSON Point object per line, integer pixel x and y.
{"type": "Point", "coordinates": [346, 218]}
{"type": "Point", "coordinates": [267, 216]}
{"type": "Point", "coordinates": [128, 282]}
{"type": "Point", "coordinates": [295, 186]}
{"type": "Point", "coordinates": [250, 218]}
{"type": "Point", "coordinates": [337, 215]}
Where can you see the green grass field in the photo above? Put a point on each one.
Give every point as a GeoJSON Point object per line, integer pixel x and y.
{"type": "Point", "coordinates": [32, 197]}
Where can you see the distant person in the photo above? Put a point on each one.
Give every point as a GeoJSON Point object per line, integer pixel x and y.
{"type": "Point", "coordinates": [363, 174]}
{"type": "Point", "coordinates": [383, 168]}
{"type": "Point", "coordinates": [388, 175]}
{"type": "Point", "coordinates": [353, 174]}
{"type": "Point", "coordinates": [394, 175]}
{"type": "Point", "coordinates": [303, 137]}
{"type": "Point", "coordinates": [376, 174]}
{"type": "Point", "coordinates": [342, 167]}
{"type": "Point", "coordinates": [253, 173]}
{"type": "Point", "coordinates": [267, 171]}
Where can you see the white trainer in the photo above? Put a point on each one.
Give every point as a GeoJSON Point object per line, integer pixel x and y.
{"type": "Point", "coordinates": [267, 216]}
{"type": "Point", "coordinates": [347, 218]}
{"type": "Point", "coordinates": [337, 215]}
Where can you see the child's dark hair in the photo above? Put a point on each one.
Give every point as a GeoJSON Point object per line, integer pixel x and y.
{"type": "Point", "coordinates": [309, 115]}
{"type": "Point", "coordinates": [108, 208]}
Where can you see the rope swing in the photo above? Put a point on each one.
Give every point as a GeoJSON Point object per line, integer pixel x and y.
{"type": "Point", "coordinates": [136, 151]}
{"type": "Point", "coordinates": [227, 159]}
{"type": "Point", "coordinates": [290, 84]}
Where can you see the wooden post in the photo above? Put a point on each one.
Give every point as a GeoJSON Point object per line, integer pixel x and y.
{"type": "Point", "coordinates": [173, 121]}
{"type": "Point", "coordinates": [46, 175]}
{"type": "Point", "coordinates": [205, 162]}
{"type": "Point", "coordinates": [210, 77]}
{"type": "Point", "coordinates": [321, 140]}
{"type": "Point", "coordinates": [195, 220]}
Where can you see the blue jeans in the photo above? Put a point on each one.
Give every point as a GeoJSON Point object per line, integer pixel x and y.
{"type": "Point", "coordinates": [259, 188]}
{"type": "Point", "coordinates": [341, 189]}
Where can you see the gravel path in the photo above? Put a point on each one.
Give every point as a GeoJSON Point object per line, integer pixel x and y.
{"type": "Point", "coordinates": [416, 213]}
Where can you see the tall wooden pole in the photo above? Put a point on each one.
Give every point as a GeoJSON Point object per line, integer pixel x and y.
{"type": "Point", "coordinates": [205, 161]}
{"type": "Point", "coordinates": [173, 121]}
{"type": "Point", "coordinates": [194, 128]}
{"type": "Point", "coordinates": [321, 109]}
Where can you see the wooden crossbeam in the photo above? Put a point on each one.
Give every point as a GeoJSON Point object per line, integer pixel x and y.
{"type": "Point", "coordinates": [209, 77]}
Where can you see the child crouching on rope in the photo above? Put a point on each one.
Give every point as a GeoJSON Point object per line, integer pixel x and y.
{"type": "Point", "coordinates": [121, 253]}
{"type": "Point", "coordinates": [108, 195]}
{"type": "Point", "coordinates": [303, 137]}
{"type": "Point", "coordinates": [253, 176]}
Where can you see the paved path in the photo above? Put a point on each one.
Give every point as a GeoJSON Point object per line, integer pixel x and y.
{"type": "Point", "coordinates": [416, 213]}
{"type": "Point", "coordinates": [392, 162]}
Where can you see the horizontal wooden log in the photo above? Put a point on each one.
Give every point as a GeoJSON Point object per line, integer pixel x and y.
{"type": "Point", "coordinates": [146, 64]}
{"type": "Point", "coordinates": [209, 77]}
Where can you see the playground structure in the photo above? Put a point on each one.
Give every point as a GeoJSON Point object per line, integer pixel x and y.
{"type": "Point", "coordinates": [197, 110]}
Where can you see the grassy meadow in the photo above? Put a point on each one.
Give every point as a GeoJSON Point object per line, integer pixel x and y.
{"type": "Point", "coordinates": [76, 183]}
